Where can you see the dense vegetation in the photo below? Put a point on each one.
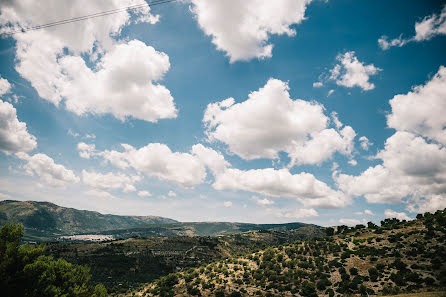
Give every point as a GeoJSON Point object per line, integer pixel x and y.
{"type": "Point", "coordinates": [124, 264]}
{"type": "Point", "coordinates": [26, 270]}
{"type": "Point", "coordinates": [397, 256]}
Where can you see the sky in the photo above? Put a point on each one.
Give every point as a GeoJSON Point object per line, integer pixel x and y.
{"type": "Point", "coordinates": [325, 112]}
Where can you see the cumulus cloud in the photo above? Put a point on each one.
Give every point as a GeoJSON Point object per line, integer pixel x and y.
{"type": "Point", "coordinates": [298, 127]}
{"type": "Point", "coordinates": [158, 160]}
{"type": "Point", "coordinates": [262, 202]}
{"type": "Point", "coordinates": [365, 143]}
{"type": "Point", "coordinates": [122, 81]}
{"type": "Point", "coordinates": [398, 215]}
{"type": "Point", "coordinates": [14, 136]}
{"type": "Point", "coordinates": [413, 169]}
{"type": "Point", "coordinates": [50, 172]}
{"type": "Point", "coordinates": [5, 86]}
{"type": "Point", "coordinates": [144, 194]}
{"type": "Point", "coordinates": [242, 28]}
{"type": "Point", "coordinates": [353, 73]}
{"type": "Point", "coordinates": [110, 181]}
{"type": "Point", "coordinates": [227, 204]}
{"type": "Point", "coordinates": [369, 212]}
{"type": "Point", "coordinates": [99, 193]}
{"type": "Point", "coordinates": [351, 222]}
{"type": "Point", "coordinates": [422, 110]}
{"type": "Point", "coordinates": [428, 28]}
{"type": "Point", "coordinates": [172, 194]}
{"type": "Point", "coordinates": [86, 150]}
{"type": "Point", "coordinates": [304, 187]}
{"type": "Point", "coordinates": [298, 213]}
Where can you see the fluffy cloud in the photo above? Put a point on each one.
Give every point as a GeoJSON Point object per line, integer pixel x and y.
{"type": "Point", "coordinates": [369, 212]}
{"type": "Point", "coordinates": [297, 127]}
{"type": "Point", "coordinates": [422, 110]}
{"type": "Point", "coordinates": [48, 171]}
{"type": "Point", "coordinates": [110, 181]}
{"type": "Point", "coordinates": [413, 169]}
{"type": "Point", "coordinates": [365, 143]}
{"type": "Point", "coordinates": [304, 187]}
{"type": "Point", "coordinates": [122, 84]}
{"type": "Point", "coordinates": [99, 193]}
{"type": "Point", "coordinates": [172, 194]}
{"type": "Point", "coordinates": [298, 213]}
{"type": "Point", "coordinates": [351, 222]}
{"type": "Point", "coordinates": [353, 73]}
{"type": "Point", "coordinates": [86, 150]}
{"type": "Point", "coordinates": [227, 204]}
{"type": "Point", "coordinates": [52, 59]}
{"type": "Point", "coordinates": [242, 28]}
{"type": "Point", "coordinates": [398, 215]}
{"type": "Point", "coordinates": [5, 86]}
{"type": "Point", "coordinates": [158, 160]}
{"type": "Point", "coordinates": [144, 194]}
{"type": "Point", "coordinates": [14, 136]}
{"type": "Point", "coordinates": [428, 28]}
{"type": "Point", "coordinates": [262, 202]}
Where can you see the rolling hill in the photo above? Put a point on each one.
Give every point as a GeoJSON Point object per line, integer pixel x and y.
{"type": "Point", "coordinates": [47, 221]}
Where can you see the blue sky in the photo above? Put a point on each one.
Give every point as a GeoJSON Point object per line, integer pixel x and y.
{"type": "Point", "coordinates": [275, 154]}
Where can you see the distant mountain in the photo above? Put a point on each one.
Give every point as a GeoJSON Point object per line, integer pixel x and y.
{"type": "Point", "coordinates": [44, 220]}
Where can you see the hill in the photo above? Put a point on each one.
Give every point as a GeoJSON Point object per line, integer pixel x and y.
{"type": "Point", "coordinates": [128, 263]}
{"type": "Point", "coordinates": [396, 257]}
{"type": "Point", "coordinates": [47, 221]}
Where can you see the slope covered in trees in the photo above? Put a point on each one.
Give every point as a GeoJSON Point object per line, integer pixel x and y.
{"type": "Point", "coordinates": [362, 260]}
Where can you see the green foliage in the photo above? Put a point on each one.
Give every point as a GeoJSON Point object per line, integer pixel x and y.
{"type": "Point", "coordinates": [26, 271]}
{"type": "Point", "coordinates": [308, 290]}
{"type": "Point", "coordinates": [329, 231]}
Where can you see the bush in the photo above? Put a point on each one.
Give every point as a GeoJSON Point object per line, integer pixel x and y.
{"type": "Point", "coordinates": [26, 271]}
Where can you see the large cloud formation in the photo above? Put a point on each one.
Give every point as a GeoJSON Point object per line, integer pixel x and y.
{"type": "Point", "coordinates": [413, 168]}
{"type": "Point", "coordinates": [14, 136]}
{"type": "Point", "coordinates": [242, 28]}
{"type": "Point", "coordinates": [50, 172]}
{"type": "Point", "coordinates": [269, 122]}
{"type": "Point", "coordinates": [54, 59]}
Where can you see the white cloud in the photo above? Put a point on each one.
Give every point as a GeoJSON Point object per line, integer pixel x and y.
{"type": "Point", "coordinates": [110, 181]}
{"type": "Point", "coordinates": [317, 84]}
{"type": "Point", "coordinates": [48, 171]}
{"type": "Point", "coordinates": [99, 193]}
{"type": "Point", "coordinates": [5, 196]}
{"type": "Point", "coordinates": [351, 222]}
{"type": "Point", "coordinates": [14, 136]}
{"type": "Point", "coordinates": [353, 162]}
{"type": "Point", "coordinates": [121, 81]}
{"type": "Point", "coordinates": [353, 73]}
{"type": "Point", "coordinates": [144, 194]}
{"type": "Point", "coordinates": [297, 127]}
{"type": "Point", "coordinates": [428, 28]}
{"type": "Point", "coordinates": [304, 187]}
{"type": "Point", "coordinates": [330, 92]}
{"type": "Point", "coordinates": [242, 28]}
{"type": "Point", "coordinates": [262, 202]}
{"type": "Point", "coordinates": [399, 215]}
{"type": "Point", "coordinates": [158, 160]}
{"type": "Point", "coordinates": [365, 143]}
{"type": "Point", "coordinates": [86, 150]}
{"type": "Point", "coordinates": [369, 212]}
{"type": "Point", "coordinates": [300, 213]}
{"type": "Point", "coordinates": [5, 86]}
{"type": "Point", "coordinates": [172, 194]}
{"type": "Point", "coordinates": [72, 133]}
{"type": "Point", "coordinates": [227, 204]}
{"type": "Point", "coordinates": [422, 110]}
{"type": "Point", "coordinates": [123, 85]}
{"type": "Point", "coordinates": [413, 169]}
{"type": "Point", "coordinates": [90, 136]}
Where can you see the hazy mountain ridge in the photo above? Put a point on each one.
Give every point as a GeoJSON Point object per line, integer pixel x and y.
{"type": "Point", "coordinates": [45, 220]}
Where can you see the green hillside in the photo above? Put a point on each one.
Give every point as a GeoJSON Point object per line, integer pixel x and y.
{"type": "Point", "coordinates": [396, 257]}
{"type": "Point", "coordinates": [47, 221]}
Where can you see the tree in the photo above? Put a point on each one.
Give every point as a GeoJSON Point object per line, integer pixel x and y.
{"type": "Point", "coordinates": [25, 270]}
{"type": "Point", "coordinates": [329, 231]}
{"type": "Point", "coordinates": [308, 290]}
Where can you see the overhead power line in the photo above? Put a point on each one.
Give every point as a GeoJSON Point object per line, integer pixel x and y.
{"type": "Point", "coordinates": [90, 16]}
